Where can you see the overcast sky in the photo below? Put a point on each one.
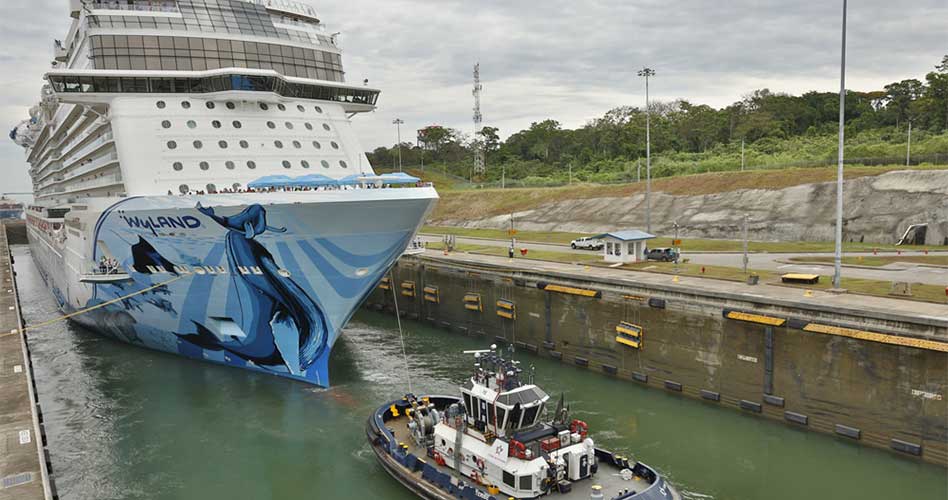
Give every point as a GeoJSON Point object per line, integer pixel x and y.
{"type": "Point", "coordinates": [566, 60]}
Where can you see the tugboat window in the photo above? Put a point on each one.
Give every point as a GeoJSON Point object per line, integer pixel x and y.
{"type": "Point", "coordinates": [510, 480]}
{"type": "Point", "coordinates": [467, 402]}
{"type": "Point", "coordinates": [526, 483]}
{"type": "Point", "coordinates": [529, 415]}
{"type": "Point", "coordinates": [501, 415]}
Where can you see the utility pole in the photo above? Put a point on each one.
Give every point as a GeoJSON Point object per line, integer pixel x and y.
{"type": "Point", "coordinates": [745, 244]}
{"type": "Point", "coordinates": [503, 176]}
{"type": "Point", "coordinates": [647, 72]}
{"type": "Point", "coordinates": [908, 151]}
{"type": "Point", "coordinates": [398, 131]}
{"type": "Point", "coordinates": [838, 258]}
{"type": "Point", "coordinates": [638, 170]}
{"type": "Point", "coordinates": [742, 154]}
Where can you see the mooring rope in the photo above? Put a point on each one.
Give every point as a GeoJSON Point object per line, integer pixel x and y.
{"type": "Point", "coordinates": [401, 333]}
{"type": "Point", "coordinates": [99, 306]}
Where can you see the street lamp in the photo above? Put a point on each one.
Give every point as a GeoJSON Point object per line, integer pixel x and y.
{"type": "Point", "coordinates": [398, 130]}
{"type": "Point", "coordinates": [838, 259]}
{"type": "Point", "coordinates": [647, 72]}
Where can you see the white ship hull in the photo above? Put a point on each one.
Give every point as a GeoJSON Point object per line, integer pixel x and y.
{"type": "Point", "coordinates": [262, 281]}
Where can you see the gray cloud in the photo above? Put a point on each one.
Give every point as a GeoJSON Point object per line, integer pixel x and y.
{"type": "Point", "coordinates": [560, 59]}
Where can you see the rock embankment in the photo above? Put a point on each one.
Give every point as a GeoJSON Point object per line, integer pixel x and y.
{"type": "Point", "coordinates": [877, 209]}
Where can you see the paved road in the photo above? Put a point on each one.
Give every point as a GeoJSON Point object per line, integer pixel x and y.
{"type": "Point", "coordinates": [764, 261]}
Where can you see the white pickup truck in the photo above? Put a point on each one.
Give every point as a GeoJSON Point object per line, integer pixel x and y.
{"type": "Point", "coordinates": [586, 243]}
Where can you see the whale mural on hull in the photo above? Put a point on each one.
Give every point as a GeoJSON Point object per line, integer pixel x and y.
{"type": "Point", "coordinates": [245, 288]}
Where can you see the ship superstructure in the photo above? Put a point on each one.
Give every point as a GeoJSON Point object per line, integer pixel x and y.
{"type": "Point", "coordinates": [156, 119]}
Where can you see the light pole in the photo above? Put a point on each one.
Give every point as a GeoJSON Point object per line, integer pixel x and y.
{"type": "Point", "coordinates": [838, 259]}
{"type": "Point", "coordinates": [745, 244]}
{"type": "Point", "coordinates": [742, 154]}
{"type": "Point", "coordinates": [571, 174]}
{"type": "Point", "coordinates": [398, 130]}
{"type": "Point", "coordinates": [647, 72]}
{"type": "Point", "coordinates": [908, 150]}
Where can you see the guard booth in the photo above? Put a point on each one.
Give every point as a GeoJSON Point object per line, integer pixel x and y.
{"type": "Point", "coordinates": [624, 247]}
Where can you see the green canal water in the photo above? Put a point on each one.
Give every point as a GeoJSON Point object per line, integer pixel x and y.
{"type": "Point", "coordinates": [125, 423]}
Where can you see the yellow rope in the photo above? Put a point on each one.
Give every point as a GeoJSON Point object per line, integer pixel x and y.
{"type": "Point", "coordinates": [99, 306]}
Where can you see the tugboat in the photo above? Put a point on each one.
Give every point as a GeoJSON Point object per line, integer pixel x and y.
{"type": "Point", "coordinates": [492, 443]}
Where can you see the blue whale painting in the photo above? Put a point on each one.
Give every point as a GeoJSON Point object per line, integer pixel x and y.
{"type": "Point", "coordinates": [281, 325]}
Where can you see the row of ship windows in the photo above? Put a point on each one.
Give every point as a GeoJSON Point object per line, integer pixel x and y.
{"type": "Point", "coordinates": [237, 124]}
{"type": "Point", "coordinates": [230, 105]}
{"type": "Point", "coordinates": [246, 145]}
{"type": "Point", "coordinates": [252, 165]}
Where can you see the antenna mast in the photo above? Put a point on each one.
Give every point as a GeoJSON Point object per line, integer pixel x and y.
{"type": "Point", "coordinates": [479, 168]}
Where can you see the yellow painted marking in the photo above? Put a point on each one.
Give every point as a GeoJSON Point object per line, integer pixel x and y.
{"type": "Point", "coordinates": [570, 290]}
{"type": "Point", "coordinates": [797, 276]}
{"type": "Point", "coordinates": [756, 318]}
{"type": "Point", "coordinates": [883, 338]}
{"type": "Point", "coordinates": [506, 304]}
{"type": "Point", "coordinates": [505, 314]}
{"type": "Point", "coordinates": [635, 297]}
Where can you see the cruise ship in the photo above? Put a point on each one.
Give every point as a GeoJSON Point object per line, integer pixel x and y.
{"type": "Point", "coordinates": [165, 153]}
{"type": "Point", "coordinates": [10, 209]}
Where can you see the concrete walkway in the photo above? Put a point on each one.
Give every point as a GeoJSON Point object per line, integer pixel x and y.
{"type": "Point", "coordinates": [876, 306]}
{"type": "Point", "coordinates": [23, 474]}
{"type": "Point", "coordinates": [907, 272]}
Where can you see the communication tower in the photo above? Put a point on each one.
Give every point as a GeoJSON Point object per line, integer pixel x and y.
{"type": "Point", "coordinates": [479, 168]}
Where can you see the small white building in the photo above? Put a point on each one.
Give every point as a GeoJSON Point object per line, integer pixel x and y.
{"type": "Point", "coordinates": [624, 246]}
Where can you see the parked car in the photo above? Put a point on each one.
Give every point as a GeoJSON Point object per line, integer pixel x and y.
{"type": "Point", "coordinates": [587, 243]}
{"type": "Point", "coordinates": [662, 254]}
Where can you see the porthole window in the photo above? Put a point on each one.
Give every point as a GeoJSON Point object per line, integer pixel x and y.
{"type": "Point", "coordinates": [185, 104]}
{"type": "Point", "coordinates": [198, 144]}
{"type": "Point", "coordinates": [305, 164]}
{"type": "Point", "coordinates": [281, 107]}
{"type": "Point", "coordinates": [172, 145]}
{"type": "Point", "coordinates": [230, 105]}
{"type": "Point", "coordinates": [216, 124]}
{"type": "Point", "coordinates": [211, 189]}
{"type": "Point", "coordinates": [177, 166]}
{"type": "Point", "coordinates": [301, 108]}
{"type": "Point", "coordinates": [309, 126]}
{"type": "Point", "coordinates": [278, 144]}
{"type": "Point", "coordinates": [192, 124]}
{"type": "Point", "coordinates": [230, 165]}
{"type": "Point", "coordinates": [271, 125]}
{"type": "Point", "coordinates": [324, 163]}
{"type": "Point", "coordinates": [235, 186]}
{"type": "Point", "coordinates": [204, 165]}
{"type": "Point", "coordinates": [251, 164]}
{"type": "Point", "coordinates": [264, 106]}
{"type": "Point", "coordinates": [166, 124]}
{"type": "Point", "coordinates": [209, 104]}
{"type": "Point", "coordinates": [343, 164]}
{"type": "Point", "coordinates": [326, 127]}
{"type": "Point", "coordinates": [237, 124]}
{"type": "Point", "coordinates": [222, 144]}
{"type": "Point", "coordinates": [286, 164]}
{"type": "Point", "coordinates": [160, 104]}
{"type": "Point", "coordinates": [288, 125]}
{"type": "Point", "coordinates": [297, 145]}
{"type": "Point", "coordinates": [318, 109]}
{"type": "Point", "coordinates": [244, 144]}
{"type": "Point", "coordinates": [317, 145]}
{"type": "Point", "coordinates": [334, 145]}
{"type": "Point", "coordinates": [184, 189]}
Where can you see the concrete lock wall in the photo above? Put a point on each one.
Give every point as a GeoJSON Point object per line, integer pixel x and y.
{"type": "Point", "coordinates": [883, 395]}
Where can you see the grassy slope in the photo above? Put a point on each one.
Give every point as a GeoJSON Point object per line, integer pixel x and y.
{"type": "Point", "coordinates": [478, 204]}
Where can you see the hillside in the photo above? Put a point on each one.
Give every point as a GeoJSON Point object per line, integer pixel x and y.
{"type": "Point", "coordinates": [790, 204]}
